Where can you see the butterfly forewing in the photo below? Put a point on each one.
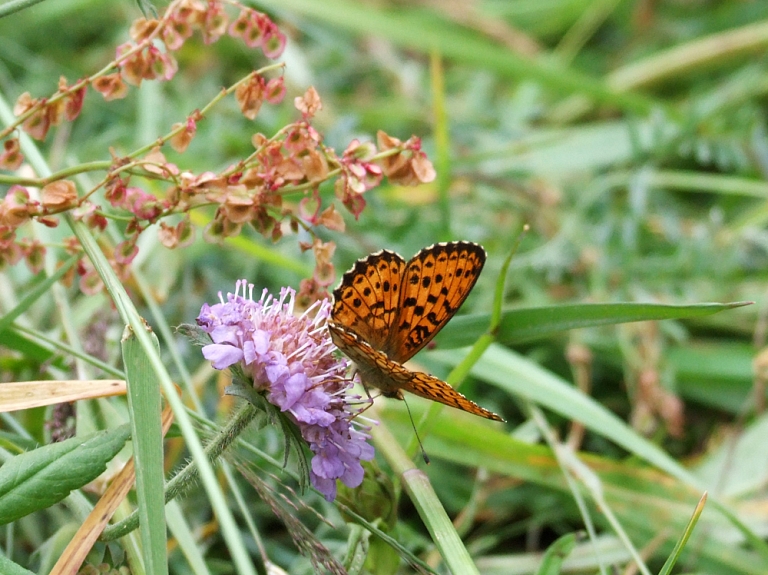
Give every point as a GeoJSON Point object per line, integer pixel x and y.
{"type": "Point", "coordinates": [436, 282]}
{"type": "Point", "coordinates": [367, 298]}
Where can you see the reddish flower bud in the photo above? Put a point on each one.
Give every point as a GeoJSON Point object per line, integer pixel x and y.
{"type": "Point", "coordinates": [23, 103]}
{"type": "Point", "coordinates": [180, 235]}
{"type": "Point", "coordinates": [315, 166]}
{"type": "Point", "coordinates": [73, 103]}
{"type": "Point", "coordinates": [136, 68]}
{"type": "Point", "coordinates": [241, 26]}
{"type": "Point", "coordinates": [309, 207]}
{"type": "Point", "coordinates": [238, 206]}
{"type": "Point", "coordinates": [38, 124]}
{"type": "Point", "coordinates": [90, 283]}
{"type": "Point", "coordinates": [48, 221]}
{"type": "Point", "coordinates": [308, 104]}
{"type": "Point", "coordinates": [141, 29]}
{"type": "Point", "coordinates": [89, 214]}
{"type": "Point", "coordinates": [155, 163]}
{"type": "Point", "coordinates": [10, 254]}
{"type": "Point", "coordinates": [15, 207]}
{"type": "Point", "coordinates": [59, 196]}
{"type": "Point", "coordinates": [324, 273]}
{"type": "Point", "coordinates": [275, 90]}
{"type": "Point", "coordinates": [125, 251]}
{"type": "Point", "coordinates": [408, 167]}
{"type": "Point", "coordinates": [115, 192]}
{"type": "Point", "coordinates": [34, 254]}
{"type": "Point", "coordinates": [214, 22]}
{"type": "Point", "coordinates": [111, 86]}
{"type": "Point", "coordinates": [332, 219]}
{"type": "Point", "coordinates": [181, 140]}
{"type": "Point", "coordinates": [11, 156]}
{"type": "Point", "coordinates": [249, 96]}
{"type": "Point", "coordinates": [175, 33]}
{"type": "Point", "coordinates": [273, 43]}
{"type": "Point", "coordinates": [7, 238]}
{"type": "Point", "coordinates": [143, 205]}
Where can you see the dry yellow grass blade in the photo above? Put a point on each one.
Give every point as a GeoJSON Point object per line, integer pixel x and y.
{"type": "Point", "coordinates": [28, 394]}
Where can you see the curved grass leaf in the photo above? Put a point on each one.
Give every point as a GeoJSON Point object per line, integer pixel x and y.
{"type": "Point", "coordinates": [37, 479]}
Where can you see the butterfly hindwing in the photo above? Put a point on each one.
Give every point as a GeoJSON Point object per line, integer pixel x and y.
{"type": "Point", "coordinates": [431, 387]}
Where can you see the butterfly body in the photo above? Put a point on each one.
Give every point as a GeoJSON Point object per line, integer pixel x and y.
{"type": "Point", "coordinates": [386, 309]}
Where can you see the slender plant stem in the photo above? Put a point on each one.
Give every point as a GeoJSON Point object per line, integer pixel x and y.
{"type": "Point", "coordinates": [187, 476]}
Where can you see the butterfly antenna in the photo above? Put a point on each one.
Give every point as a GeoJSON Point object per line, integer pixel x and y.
{"type": "Point", "coordinates": [423, 453]}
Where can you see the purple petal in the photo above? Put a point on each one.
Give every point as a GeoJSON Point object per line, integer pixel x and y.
{"type": "Point", "coordinates": [222, 356]}
{"type": "Point", "coordinates": [353, 476]}
{"type": "Point", "coordinates": [325, 486]}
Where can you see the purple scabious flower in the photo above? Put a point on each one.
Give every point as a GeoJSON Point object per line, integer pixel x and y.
{"type": "Point", "coordinates": [290, 359]}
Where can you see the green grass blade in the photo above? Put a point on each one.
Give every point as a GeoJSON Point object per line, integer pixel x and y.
{"type": "Point", "coordinates": [672, 559]}
{"type": "Point", "coordinates": [426, 31]}
{"type": "Point", "coordinates": [428, 505]}
{"type": "Point", "coordinates": [145, 405]}
{"type": "Point", "coordinates": [36, 292]}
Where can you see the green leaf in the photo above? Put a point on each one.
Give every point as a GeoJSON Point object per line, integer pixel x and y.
{"type": "Point", "coordinates": [539, 322]}
{"type": "Point", "coordinates": [552, 563]}
{"type": "Point", "coordinates": [8, 567]}
{"type": "Point", "coordinates": [37, 479]}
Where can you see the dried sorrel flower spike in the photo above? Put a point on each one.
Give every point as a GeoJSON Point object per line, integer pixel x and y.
{"type": "Point", "coordinates": [290, 360]}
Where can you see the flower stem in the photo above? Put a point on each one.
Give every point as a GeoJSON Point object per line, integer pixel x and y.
{"type": "Point", "coordinates": [187, 476]}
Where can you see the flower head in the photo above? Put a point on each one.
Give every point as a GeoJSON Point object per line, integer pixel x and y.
{"type": "Point", "coordinates": [289, 358]}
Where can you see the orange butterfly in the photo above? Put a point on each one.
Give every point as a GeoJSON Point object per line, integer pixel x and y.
{"type": "Point", "coordinates": [385, 310]}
